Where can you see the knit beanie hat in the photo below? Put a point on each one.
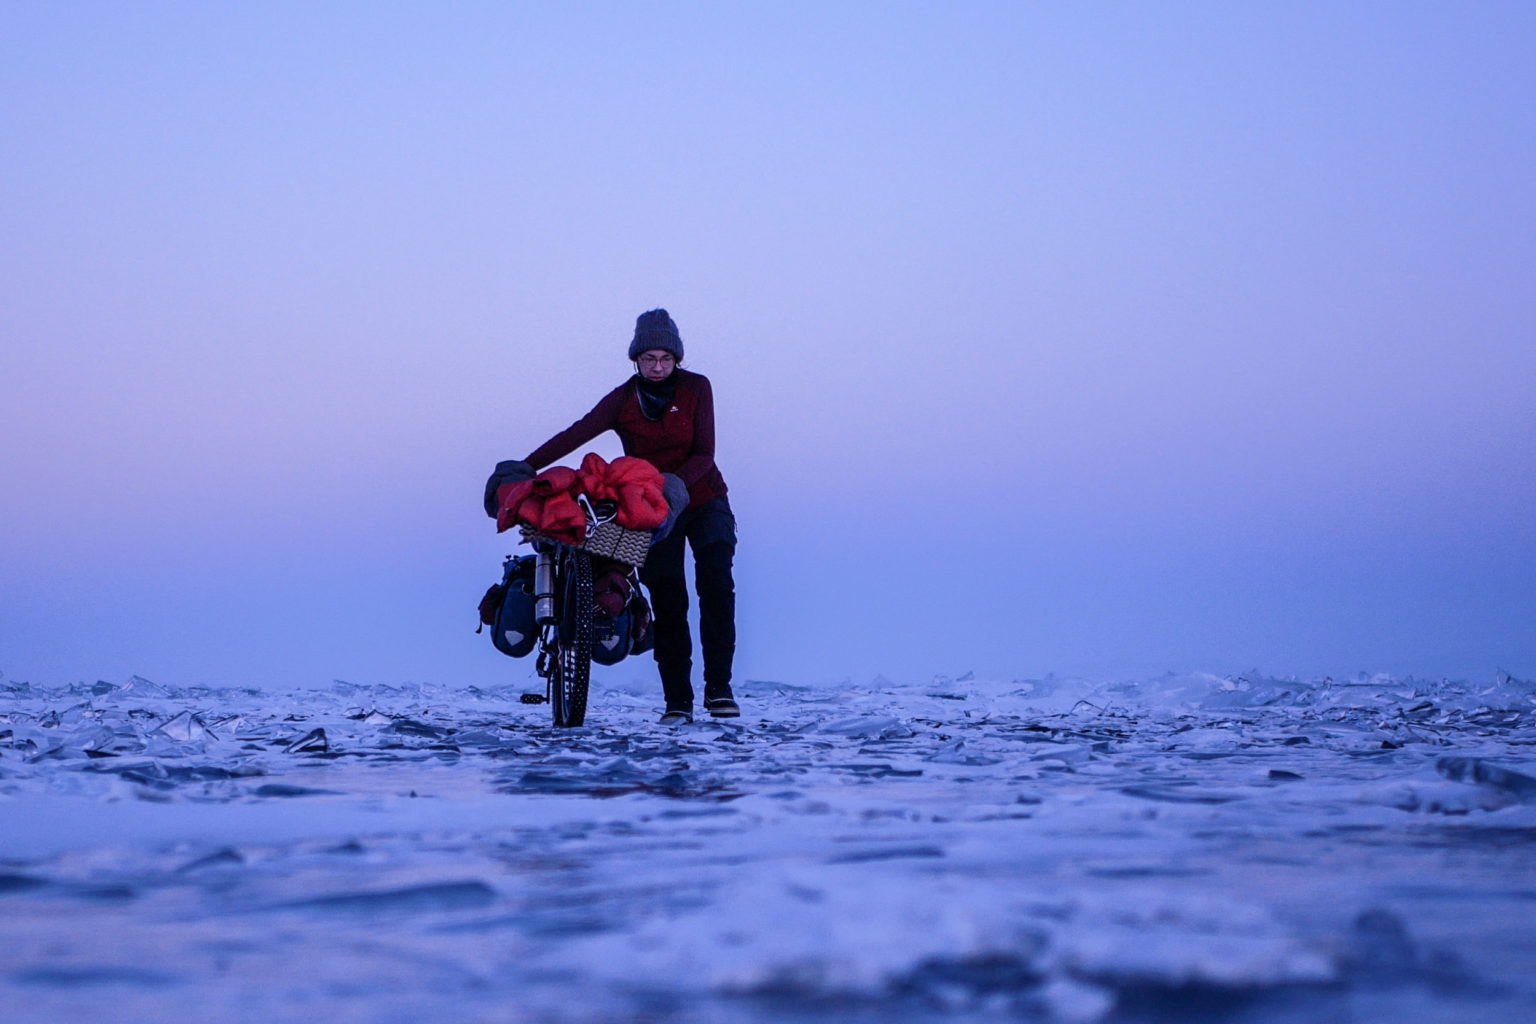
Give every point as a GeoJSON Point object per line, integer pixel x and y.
{"type": "Point", "coordinates": [655, 329]}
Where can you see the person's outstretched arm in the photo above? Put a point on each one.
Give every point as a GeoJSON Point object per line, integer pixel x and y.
{"type": "Point", "coordinates": [604, 416]}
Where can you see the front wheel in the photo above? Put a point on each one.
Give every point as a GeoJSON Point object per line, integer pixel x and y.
{"type": "Point", "coordinates": [571, 667]}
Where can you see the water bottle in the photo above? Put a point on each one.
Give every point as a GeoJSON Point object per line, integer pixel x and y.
{"type": "Point", "coordinates": [544, 588]}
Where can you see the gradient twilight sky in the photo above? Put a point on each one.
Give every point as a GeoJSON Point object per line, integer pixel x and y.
{"type": "Point", "coordinates": [1099, 338]}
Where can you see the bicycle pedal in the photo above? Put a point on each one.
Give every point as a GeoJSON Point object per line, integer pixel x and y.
{"type": "Point", "coordinates": [533, 698]}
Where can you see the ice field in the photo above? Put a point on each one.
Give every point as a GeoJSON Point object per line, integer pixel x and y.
{"type": "Point", "coordinates": [1187, 848]}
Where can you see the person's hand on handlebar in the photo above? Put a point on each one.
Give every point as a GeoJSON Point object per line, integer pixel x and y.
{"type": "Point", "coordinates": [507, 471]}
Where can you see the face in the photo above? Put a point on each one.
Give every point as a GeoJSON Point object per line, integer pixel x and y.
{"type": "Point", "coordinates": [656, 364]}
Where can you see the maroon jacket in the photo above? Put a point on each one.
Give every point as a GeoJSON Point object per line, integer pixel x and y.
{"type": "Point", "coordinates": [682, 441]}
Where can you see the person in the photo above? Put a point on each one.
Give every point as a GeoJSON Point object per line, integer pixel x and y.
{"type": "Point", "coordinates": [666, 415]}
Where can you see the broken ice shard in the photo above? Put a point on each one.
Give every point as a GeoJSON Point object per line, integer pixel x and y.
{"type": "Point", "coordinates": [313, 742]}
{"type": "Point", "coordinates": [185, 727]}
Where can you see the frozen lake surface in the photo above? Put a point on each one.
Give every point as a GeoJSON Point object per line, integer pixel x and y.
{"type": "Point", "coordinates": [1189, 848]}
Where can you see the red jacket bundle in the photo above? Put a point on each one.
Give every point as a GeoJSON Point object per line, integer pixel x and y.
{"type": "Point", "coordinates": [633, 483]}
{"type": "Point", "coordinates": [547, 503]}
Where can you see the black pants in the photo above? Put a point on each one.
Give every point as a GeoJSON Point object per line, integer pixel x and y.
{"type": "Point", "coordinates": [710, 530]}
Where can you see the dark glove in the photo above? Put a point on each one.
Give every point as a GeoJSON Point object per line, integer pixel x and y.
{"type": "Point", "coordinates": [508, 471]}
{"type": "Point", "coordinates": [676, 493]}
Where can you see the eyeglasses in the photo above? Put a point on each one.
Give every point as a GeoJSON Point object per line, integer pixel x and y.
{"type": "Point", "coordinates": [661, 360]}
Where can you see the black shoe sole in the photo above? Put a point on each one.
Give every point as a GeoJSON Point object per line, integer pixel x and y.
{"type": "Point", "coordinates": [728, 711]}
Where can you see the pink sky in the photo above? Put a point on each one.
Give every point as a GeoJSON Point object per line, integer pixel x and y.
{"type": "Point", "coordinates": [1093, 338]}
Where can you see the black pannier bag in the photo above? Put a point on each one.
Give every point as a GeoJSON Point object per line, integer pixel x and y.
{"type": "Point", "coordinates": [610, 638]}
{"type": "Point", "coordinates": [508, 608]}
{"type": "Point", "coordinates": [627, 633]}
{"type": "Point", "coordinates": [642, 636]}
{"type": "Point", "coordinates": [612, 587]}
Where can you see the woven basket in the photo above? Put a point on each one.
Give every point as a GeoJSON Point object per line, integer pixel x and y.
{"type": "Point", "coordinates": [610, 540]}
{"type": "Point", "coordinates": [614, 541]}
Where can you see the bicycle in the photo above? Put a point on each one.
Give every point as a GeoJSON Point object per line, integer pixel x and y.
{"type": "Point", "coordinates": [564, 606]}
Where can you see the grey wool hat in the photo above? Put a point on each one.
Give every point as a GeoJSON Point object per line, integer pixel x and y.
{"type": "Point", "coordinates": [655, 329]}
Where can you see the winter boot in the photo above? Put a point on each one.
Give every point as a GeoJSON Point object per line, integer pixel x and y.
{"type": "Point", "coordinates": [720, 702]}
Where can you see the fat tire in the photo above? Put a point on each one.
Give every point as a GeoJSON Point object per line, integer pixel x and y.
{"type": "Point", "coordinates": [571, 670]}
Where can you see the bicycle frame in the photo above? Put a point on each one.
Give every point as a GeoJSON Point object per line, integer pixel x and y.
{"type": "Point", "coordinates": [563, 608]}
